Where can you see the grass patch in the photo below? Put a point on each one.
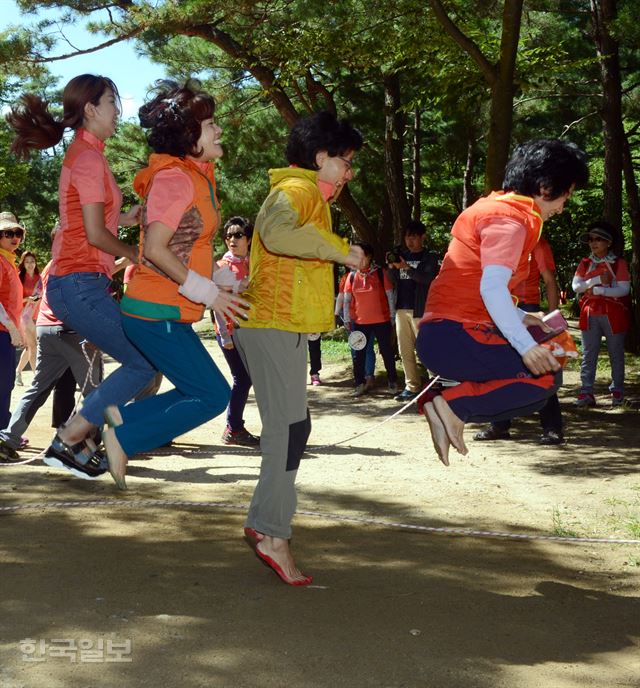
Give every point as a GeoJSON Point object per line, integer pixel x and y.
{"type": "Point", "coordinates": [559, 527]}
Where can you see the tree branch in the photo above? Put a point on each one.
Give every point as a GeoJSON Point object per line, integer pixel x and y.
{"type": "Point", "coordinates": [469, 46]}
{"type": "Point", "coordinates": [106, 44]}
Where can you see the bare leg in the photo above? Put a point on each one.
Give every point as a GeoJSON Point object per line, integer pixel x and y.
{"type": "Point", "coordinates": [273, 550]}
{"type": "Point", "coordinates": [453, 425]}
{"type": "Point", "coordinates": [439, 435]}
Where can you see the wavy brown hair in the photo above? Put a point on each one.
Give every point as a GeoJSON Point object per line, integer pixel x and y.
{"type": "Point", "coordinates": [36, 128]}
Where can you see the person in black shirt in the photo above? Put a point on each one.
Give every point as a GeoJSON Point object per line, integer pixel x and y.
{"type": "Point", "coordinates": [412, 275]}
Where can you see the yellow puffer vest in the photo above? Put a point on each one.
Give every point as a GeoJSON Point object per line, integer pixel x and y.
{"type": "Point", "coordinates": [286, 292]}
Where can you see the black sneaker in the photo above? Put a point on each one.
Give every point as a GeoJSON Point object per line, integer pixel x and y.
{"type": "Point", "coordinates": [490, 434]}
{"type": "Point", "coordinates": [8, 454]}
{"type": "Point", "coordinates": [88, 466]}
{"type": "Point", "coordinates": [241, 438]}
{"type": "Point", "coordinates": [405, 395]}
{"type": "Point", "coordinates": [550, 437]}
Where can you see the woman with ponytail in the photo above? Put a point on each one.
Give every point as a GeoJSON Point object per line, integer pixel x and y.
{"type": "Point", "coordinates": [84, 252]}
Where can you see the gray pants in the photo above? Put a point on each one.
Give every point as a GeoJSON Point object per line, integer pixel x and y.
{"type": "Point", "coordinates": [600, 327]}
{"type": "Point", "coordinates": [57, 351]}
{"type": "Point", "coordinates": [277, 364]}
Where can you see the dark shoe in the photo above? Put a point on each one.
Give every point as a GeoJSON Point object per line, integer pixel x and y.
{"type": "Point", "coordinates": [490, 434]}
{"type": "Point", "coordinates": [405, 395]}
{"type": "Point", "coordinates": [241, 438]}
{"type": "Point", "coordinates": [550, 437]}
{"type": "Point", "coordinates": [8, 454]}
{"type": "Point", "coordinates": [359, 390]}
{"type": "Point", "coordinates": [88, 466]}
{"type": "Point", "coordinates": [585, 400]}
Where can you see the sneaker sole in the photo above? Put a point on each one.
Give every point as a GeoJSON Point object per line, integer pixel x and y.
{"type": "Point", "coordinates": [53, 462]}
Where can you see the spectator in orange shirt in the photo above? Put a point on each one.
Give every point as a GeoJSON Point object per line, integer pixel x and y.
{"type": "Point", "coordinates": [369, 308]}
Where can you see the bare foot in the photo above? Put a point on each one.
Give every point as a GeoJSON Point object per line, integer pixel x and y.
{"type": "Point", "coordinates": [276, 554]}
{"type": "Point", "coordinates": [117, 458]}
{"type": "Point", "coordinates": [439, 435]}
{"type": "Point", "coordinates": [75, 430]}
{"type": "Point", "coordinates": [453, 425]}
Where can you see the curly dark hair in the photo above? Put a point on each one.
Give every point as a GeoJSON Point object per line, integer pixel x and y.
{"type": "Point", "coordinates": [546, 167]}
{"type": "Point", "coordinates": [321, 131]}
{"type": "Point", "coordinates": [175, 115]}
{"type": "Point", "coordinates": [238, 221]}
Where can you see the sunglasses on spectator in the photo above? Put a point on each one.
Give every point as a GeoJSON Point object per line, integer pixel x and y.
{"type": "Point", "coordinates": [10, 233]}
{"type": "Point", "coordinates": [235, 235]}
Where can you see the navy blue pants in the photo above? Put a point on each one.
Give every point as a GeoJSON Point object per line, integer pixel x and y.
{"type": "Point", "coordinates": [240, 388]}
{"type": "Point", "coordinates": [494, 382]}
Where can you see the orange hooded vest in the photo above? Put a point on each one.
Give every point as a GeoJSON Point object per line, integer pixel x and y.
{"type": "Point", "coordinates": [152, 295]}
{"type": "Point", "coordinates": [455, 292]}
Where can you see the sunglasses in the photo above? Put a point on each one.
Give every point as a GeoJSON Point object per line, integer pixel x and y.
{"type": "Point", "coordinates": [235, 235]}
{"type": "Point", "coordinates": [11, 233]}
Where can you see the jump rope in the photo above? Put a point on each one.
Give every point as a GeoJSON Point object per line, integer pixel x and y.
{"type": "Point", "coordinates": [178, 503]}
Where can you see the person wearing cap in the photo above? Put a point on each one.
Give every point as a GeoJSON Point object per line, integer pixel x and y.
{"type": "Point", "coordinates": [11, 234]}
{"type": "Point", "coordinates": [602, 283]}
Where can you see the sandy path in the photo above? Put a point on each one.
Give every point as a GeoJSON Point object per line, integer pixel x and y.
{"type": "Point", "coordinates": [388, 608]}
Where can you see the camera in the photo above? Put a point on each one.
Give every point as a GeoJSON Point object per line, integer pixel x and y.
{"type": "Point", "coordinates": [393, 256]}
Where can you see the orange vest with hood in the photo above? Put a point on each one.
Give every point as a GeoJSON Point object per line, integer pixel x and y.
{"type": "Point", "coordinates": [152, 295]}
{"type": "Point", "coordinates": [455, 293]}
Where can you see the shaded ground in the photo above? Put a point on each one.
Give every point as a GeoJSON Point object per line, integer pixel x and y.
{"type": "Point", "coordinates": [389, 607]}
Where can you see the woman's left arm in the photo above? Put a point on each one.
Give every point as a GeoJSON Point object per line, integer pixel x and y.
{"type": "Point", "coordinates": [157, 251]}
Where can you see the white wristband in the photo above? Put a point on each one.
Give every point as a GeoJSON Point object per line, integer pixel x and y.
{"type": "Point", "coordinates": [199, 289]}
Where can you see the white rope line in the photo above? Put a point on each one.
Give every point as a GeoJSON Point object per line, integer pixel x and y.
{"type": "Point", "coordinates": [228, 451]}
{"type": "Point", "coordinates": [441, 530]}
{"type": "Point", "coordinates": [381, 422]}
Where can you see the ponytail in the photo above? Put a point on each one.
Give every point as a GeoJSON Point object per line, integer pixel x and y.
{"type": "Point", "coordinates": [36, 128]}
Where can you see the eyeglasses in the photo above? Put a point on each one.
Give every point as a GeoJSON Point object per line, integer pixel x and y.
{"type": "Point", "coordinates": [11, 233]}
{"type": "Point", "coordinates": [346, 161]}
{"type": "Point", "coordinates": [595, 238]}
{"type": "Point", "coordinates": [235, 235]}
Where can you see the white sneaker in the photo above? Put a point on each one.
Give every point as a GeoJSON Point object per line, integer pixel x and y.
{"type": "Point", "coordinates": [359, 390]}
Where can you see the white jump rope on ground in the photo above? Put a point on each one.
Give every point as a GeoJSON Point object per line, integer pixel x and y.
{"type": "Point", "coordinates": [173, 503]}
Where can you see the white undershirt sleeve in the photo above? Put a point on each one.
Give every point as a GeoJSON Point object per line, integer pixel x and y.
{"type": "Point", "coordinates": [507, 318]}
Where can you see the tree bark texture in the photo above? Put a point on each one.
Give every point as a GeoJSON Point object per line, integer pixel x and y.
{"type": "Point", "coordinates": [417, 173]}
{"type": "Point", "coordinates": [393, 154]}
{"type": "Point", "coordinates": [602, 13]}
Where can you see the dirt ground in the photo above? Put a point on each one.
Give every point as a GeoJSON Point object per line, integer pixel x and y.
{"type": "Point", "coordinates": [171, 595]}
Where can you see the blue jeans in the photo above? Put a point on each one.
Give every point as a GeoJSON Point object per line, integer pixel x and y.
{"type": "Point", "coordinates": [369, 358]}
{"type": "Point", "coordinates": [382, 332]}
{"type": "Point", "coordinates": [240, 389]}
{"type": "Point", "coordinates": [201, 392]}
{"type": "Point", "coordinates": [600, 327]}
{"type": "Point", "coordinates": [82, 302]}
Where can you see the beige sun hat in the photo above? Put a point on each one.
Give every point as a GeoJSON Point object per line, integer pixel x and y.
{"type": "Point", "coordinates": [8, 221]}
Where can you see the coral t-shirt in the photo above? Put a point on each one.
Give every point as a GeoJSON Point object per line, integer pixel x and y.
{"type": "Point", "coordinates": [541, 259]}
{"type": "Point", "coordinates": [369, 303]}
{"type": "Point", "coordinates": [46, 317]}
{"type": "Point", "coordinates": [85, 178]}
